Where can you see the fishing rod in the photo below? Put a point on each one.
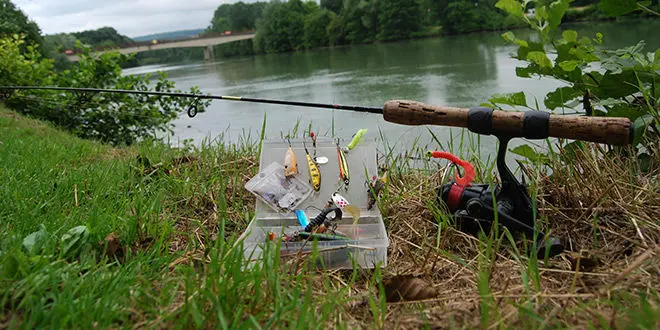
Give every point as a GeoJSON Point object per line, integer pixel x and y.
{"type": "Point", "coordinates": [528, 124]}
{"type": "Point", "coordinates": [472, 205]}
{"type": "Point", "coordinates": [200, 97]}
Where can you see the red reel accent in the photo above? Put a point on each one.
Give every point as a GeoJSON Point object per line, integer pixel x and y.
{"type": "Point", "coordinates": [468, 177]}
{"type": "Point", "coordinates": [454, 197]}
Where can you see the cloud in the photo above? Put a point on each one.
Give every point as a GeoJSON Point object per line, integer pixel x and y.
{"type": "Point", "coordinates": [130, 17]}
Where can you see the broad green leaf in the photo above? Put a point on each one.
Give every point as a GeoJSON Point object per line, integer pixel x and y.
{"type": "Point", "coordinates": [641, 60]}
{"type": "Point", "coordinates": [611, 67]}
{"type": "Point", "coordinates": [599, 38]}
{"type": "Point", "coordinates": [513, 99]}
{"type": "Point", "coordinates": [619, 7]}
{"type": "Point", "coordinates": [622, 84]}
{"type": "Point", "coordinates": [32, 243]}
{"type": "Point", "coordinates": [570, 35]}
{"type": "Point", "coordinates": [640, 125]}
{"type": "Point", "coordinates": [73, 241]}
{"type": "Point", "coordinates": [510, 37]}
{"type": "Point", "coordinates": [569, 65]}
{"type": "Point", "coordinates": [584, 41]}
{"type": "Point", "coordinates": [524, 72]}
{"type": "Point", "coordinates": [560, 96]}
{"type": "Point", "coordinates": [656, 59]}
{"type": "Point", "coordinates": [624, 110]}
{"type": "Point", "coordinates": [512, 7]}
{"type": "Point", "coordinates": [556, 12]}
{"type": "Point", "coordinates": [527, 152]}
{"type": "Point", "coordinates": [608, 102]}
{"type": "Point", "coordinates": [584, 53]}
{"type": "Point", "coordinates": [542, 12]}
{"type": "Point", "coordinates": [539, 58]}
{"type": "Point", "coordinates": [10, 267]}
{"type": "Point", "coordinates": [531, 46]}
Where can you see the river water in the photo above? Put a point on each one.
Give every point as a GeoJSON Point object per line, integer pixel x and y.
{"type": "Point", "coordinates": [459, 71]}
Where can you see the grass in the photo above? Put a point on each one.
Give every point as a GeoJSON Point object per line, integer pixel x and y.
{"type": "Point", "coordinates": [162, 248]}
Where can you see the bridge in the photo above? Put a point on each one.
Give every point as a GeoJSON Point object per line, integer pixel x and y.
{"type": "Point", "coordinates": [207, 42]}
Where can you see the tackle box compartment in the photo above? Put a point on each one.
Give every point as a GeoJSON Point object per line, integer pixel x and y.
{"type": "Point", "coordinates": [367, 241]}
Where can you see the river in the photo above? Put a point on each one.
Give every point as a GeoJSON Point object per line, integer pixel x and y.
{"type": "Point", "coordinates": [460, 71]}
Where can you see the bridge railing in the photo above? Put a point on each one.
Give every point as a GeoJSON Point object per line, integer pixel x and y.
{"type": "Point", "coordinates": [204, 35]}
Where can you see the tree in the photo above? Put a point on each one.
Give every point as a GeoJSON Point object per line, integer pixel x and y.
{"type": "Point", "coordinates": [435, 11]}
{"type": "Point", "coordinates": [398, 19]}
{"type": "Point", "coordinates": [332, 5]}
{"type": "Point", "coordinates": [109, 117]}
{"type": "Point", "coordinates": [336, 33]}
{"type": "Point", "coordinates": [281, 28]}
{"type": "Point", "coordinates": [105, 36]}
{"type": "Point", "coordinates": [361, 20]}
{"type": "Point", "coordinates": [13, 21]}
{"type": "Point", "coordinates": [316, 34]}
{"type": "Point", "coordinates": [236, 17]}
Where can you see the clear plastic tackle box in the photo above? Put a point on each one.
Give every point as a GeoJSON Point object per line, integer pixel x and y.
{"type": "Point", "coordinates": [368, 241]}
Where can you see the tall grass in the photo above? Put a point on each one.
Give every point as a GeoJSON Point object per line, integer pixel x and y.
{"type": "Point", "coordinates": [179, 212]}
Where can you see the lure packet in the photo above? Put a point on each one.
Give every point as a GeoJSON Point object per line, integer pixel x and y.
{"type": "Point", "coordinates": [282, 194]}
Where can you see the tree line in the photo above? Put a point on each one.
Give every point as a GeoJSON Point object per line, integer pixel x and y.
{"type": "Point", "coordinates": [295, 25]}
{"type": "Point", "coordinates": [284, 26]}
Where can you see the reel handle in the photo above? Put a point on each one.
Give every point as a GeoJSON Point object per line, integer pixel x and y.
{"type": "Point", "coordinates": [529, 124]}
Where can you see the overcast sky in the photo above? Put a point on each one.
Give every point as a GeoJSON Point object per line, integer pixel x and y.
{"type": "Point", "coordinates": [129, 17]}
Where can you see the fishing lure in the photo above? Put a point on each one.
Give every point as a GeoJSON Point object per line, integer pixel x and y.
{"type": "Point", "coordinates": [302, 218]}
{"type": "Point", "coordinates": [356, 138]}
{"type": "Point", "coordinates": [343, 166]}
{"type": "Point", "coordinates": [375, 187]}
{"type": "Point", "coordinates": [313, 136]}
{"type": "Point", "coordinates": [321, 217]}
{"type": "Point", "coordinates": [314, 173]}
{"type": "Point", "coordinates": [321, 237]}
{"type": "Point", "coordinates": [468, 177]}
{"type": "Point", "coordinates": [290, 164]}
{"type": "Point", "coordinates": [343, 204]}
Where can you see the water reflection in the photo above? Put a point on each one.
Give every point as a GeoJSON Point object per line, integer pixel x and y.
{"type": "Point", "coordinates": [457, 71]}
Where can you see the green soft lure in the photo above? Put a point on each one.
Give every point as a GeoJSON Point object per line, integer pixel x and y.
{"type": "Point", "coordinates": [356, 138]}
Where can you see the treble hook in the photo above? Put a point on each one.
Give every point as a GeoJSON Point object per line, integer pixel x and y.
{"type": "Point", "coordinates": [192, 109]}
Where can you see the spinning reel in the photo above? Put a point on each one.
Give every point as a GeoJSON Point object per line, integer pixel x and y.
{"type": "Point", "coordinates": [475, 206]}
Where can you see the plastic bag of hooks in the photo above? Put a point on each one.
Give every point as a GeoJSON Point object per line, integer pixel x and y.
{"type": "Point", "coordinates": [280, 193]}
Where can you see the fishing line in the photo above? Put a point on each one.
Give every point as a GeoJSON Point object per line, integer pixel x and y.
{"type": "Point", "coordinates": [90, 106]}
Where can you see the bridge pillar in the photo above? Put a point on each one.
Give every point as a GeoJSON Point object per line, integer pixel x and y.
{"type": "Point", "coordinates": [208, 53]}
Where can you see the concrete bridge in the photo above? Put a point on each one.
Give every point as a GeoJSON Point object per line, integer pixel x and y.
{"type": "Point", "coordinates": [206, 42]}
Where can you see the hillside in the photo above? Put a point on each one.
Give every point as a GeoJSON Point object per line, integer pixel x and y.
{"type": "Point", "coordinates": [169, 35]}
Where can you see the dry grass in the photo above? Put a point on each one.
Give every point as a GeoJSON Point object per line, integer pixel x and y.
{"type": "Point", "coordinates": [602, 204]}
{"type": "Point", "coordinates": [606, 210]}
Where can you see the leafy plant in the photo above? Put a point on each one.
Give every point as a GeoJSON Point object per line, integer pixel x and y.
{"type": "Point", "coordinates": [109, 117]}
{"type": "Point", "coordinates": [602, 82]}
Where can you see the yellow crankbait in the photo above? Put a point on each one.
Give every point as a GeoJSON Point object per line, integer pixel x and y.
{"type": "Point", "coordinates": [290, 164]}
{"type": "Point", "coordinates": [343, 165]}
{"type": "Point", "coordinates": [314, 173]}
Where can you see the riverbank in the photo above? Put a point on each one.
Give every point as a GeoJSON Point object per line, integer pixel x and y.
{"type": "Point", "coordinates": [162, 224]}
{"type": "Point", "coordinates": [574, 15]}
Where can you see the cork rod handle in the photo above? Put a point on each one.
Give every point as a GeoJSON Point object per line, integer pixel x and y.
{"type": "Point", "coordinates": [530, 124]}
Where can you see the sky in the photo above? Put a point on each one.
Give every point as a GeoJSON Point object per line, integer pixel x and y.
{"type": "Point", "coordinates": [129, 17]}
